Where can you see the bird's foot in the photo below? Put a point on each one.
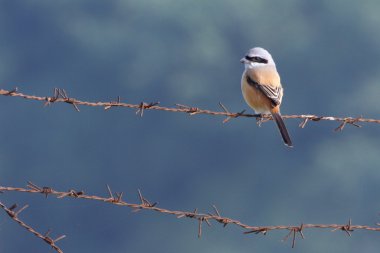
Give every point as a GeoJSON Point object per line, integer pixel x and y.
{"type": "Point", "coordinates": [259, 119]}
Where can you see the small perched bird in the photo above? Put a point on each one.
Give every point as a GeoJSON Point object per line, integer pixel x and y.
{"type": "Point", "coordinates": [261, 87]}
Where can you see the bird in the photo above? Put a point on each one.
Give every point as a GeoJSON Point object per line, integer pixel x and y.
{"type": "Point", "coordinates": [261, 87]}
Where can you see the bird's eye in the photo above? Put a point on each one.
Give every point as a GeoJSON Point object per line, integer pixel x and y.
{"type": "Point", "coordinates": [250, 58]}
{"type": "Point", "coordinates": [256, 59]}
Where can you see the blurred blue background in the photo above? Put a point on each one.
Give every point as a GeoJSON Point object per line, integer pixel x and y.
{"type": "Point", "coordinates": [188, 52]}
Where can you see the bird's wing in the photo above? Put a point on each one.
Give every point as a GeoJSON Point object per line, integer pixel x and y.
{"type": "Point", "coordinates": [273, 93]}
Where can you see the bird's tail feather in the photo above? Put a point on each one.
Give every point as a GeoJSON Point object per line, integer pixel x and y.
{"type": "Point", "coordinates": [281, 126]}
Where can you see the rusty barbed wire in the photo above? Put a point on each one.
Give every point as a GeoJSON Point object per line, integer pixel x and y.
{"type": "Point", "coordinates": [46, 238]}
{"type": "Point", "coordinates": [60, 95]}
{"type": "Point", "coordinates": [215, 215]}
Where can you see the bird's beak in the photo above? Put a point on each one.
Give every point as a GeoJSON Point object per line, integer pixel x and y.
{"type": "Point", "coordinates": [243, 60]}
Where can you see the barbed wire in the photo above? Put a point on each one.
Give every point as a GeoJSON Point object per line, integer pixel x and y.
{"type": "Point", "coordinates": [215, 215]}
{"type": "Point", "coordinates": [60, 95]}
{"type": "Point", "coordinates": [46, 238]}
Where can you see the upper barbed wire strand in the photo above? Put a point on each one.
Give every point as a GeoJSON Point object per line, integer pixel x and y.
{"type": "Point", "coordinates": [60, 95]}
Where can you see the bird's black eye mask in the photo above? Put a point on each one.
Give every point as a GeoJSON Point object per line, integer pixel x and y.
{"type": "Point", "coordinates": [256, 59]}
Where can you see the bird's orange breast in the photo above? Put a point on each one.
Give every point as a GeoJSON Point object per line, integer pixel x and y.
{"type": "Point", "coordinates": [253, 96]}
{"type": "Point", "coordinates": [265, 75]}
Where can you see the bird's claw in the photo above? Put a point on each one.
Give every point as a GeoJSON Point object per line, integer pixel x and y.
{"type": "Point", "coordinates": [259, 119]}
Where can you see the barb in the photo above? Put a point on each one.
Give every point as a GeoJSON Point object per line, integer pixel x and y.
{"type": "Point", "coordinates": [200, 217]}
{"type": "Point", "coordinates": [60, 96]}
{"type": "Point", "coordinates": [293, 232]}
{"type": "Point", "coordinates": [46, 238]}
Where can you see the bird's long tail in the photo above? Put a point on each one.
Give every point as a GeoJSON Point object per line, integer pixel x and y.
{"type": "Point", "coordinates": [281, 126]}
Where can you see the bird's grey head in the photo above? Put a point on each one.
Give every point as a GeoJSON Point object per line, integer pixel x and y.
{"type": "Point", "coordinates": [257, 56]}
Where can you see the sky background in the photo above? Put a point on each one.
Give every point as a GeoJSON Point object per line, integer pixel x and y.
{"type": "Point", "coordinates": [188, 52]}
